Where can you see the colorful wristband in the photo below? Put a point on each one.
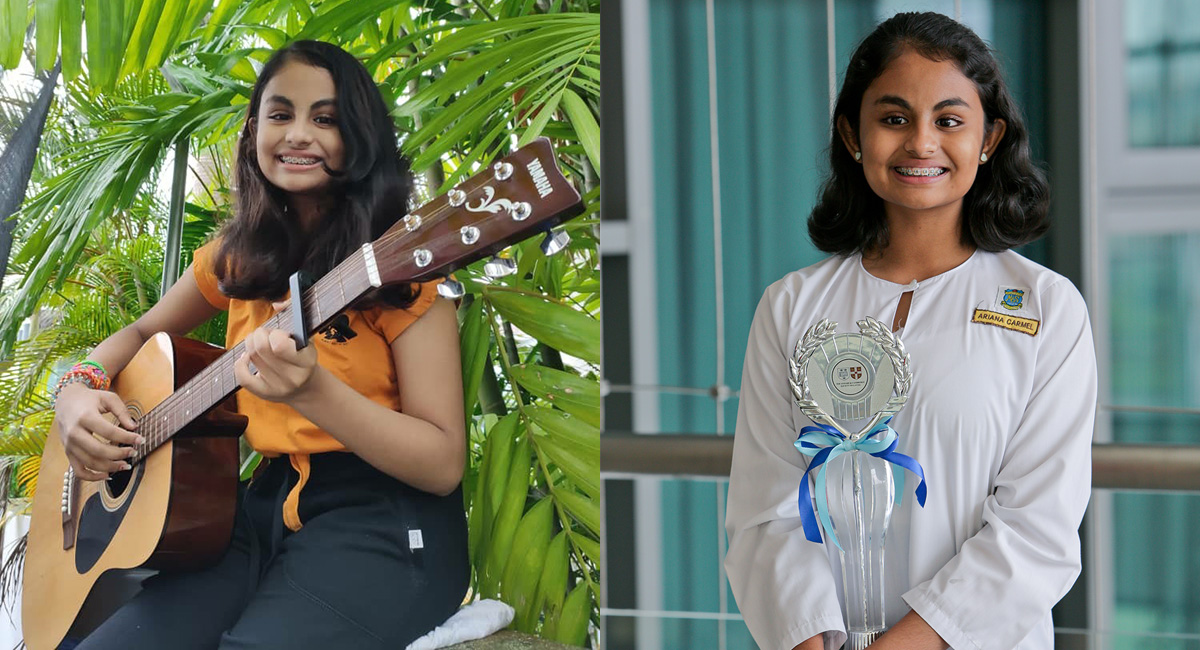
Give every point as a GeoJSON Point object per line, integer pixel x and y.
{"type": "Point", "coordinates": [88, 372]}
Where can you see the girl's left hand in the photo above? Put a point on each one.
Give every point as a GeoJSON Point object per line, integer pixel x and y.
{"type": "Point", "coordinates": [283, 371]}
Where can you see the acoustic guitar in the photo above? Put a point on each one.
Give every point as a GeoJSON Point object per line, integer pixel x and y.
{"type": "Point", "coordinates": [174, 509]}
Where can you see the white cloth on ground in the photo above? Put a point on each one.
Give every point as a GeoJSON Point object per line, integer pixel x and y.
{"type": "Point", "coordinates": [475, 621]}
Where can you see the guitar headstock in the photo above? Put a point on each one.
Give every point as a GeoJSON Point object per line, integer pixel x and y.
{"type": "Point", "coordinates": [520, 195]}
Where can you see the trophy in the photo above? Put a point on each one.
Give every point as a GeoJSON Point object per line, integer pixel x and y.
{"type": "Point", "coordinates": [850, 385]}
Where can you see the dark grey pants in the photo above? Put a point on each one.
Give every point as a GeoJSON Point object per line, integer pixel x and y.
{"type": "Point", "coordinates": [347, 579]}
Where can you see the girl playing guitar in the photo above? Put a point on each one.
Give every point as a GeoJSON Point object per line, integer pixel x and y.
{"type": "Point", "coordinates": [354, 534]}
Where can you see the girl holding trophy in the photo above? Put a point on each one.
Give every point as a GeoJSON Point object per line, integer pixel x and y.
{"type": "Point", "coordinates": [931, 185]}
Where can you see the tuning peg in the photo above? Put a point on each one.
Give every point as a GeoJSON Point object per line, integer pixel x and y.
{"type": "Point", "coordinates": [498, 267]}
{"type": "Point", "coordinates": [422, 257]}
{"type": "Point", "coordinates": [451, 288]}
{"type": "Point", "coordinates": [502, 171]}
{"type": "Point", "coordinates": [555, 241]}
{"type": "Point", "coordinates": [470, 234]}
{"type": "Point", "coordinates": [520, 211]}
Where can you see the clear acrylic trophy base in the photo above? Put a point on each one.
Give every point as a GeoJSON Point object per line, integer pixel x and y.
{"type": "Point", "coordinates": [860, 640]}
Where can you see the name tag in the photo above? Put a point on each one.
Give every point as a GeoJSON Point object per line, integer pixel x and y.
{"type": "Point", "coordinates": [1007, 321]}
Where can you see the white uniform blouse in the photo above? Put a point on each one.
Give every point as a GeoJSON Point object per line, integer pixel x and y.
{"type": "Point", "coordinates": [1001, 420]}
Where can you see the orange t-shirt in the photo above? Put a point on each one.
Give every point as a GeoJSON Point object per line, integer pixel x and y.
{"type": "Point", "coordinates": [355, 348]}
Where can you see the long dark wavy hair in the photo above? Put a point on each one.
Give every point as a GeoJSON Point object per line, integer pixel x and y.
{"type": "Point", "coordinates": [1007, 204]}
{"type": "Point", "coordinates": [263, 245]}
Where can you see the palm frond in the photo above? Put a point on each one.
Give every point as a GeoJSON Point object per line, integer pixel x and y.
{"type": "Point", "coordinates": [502, 78]}
{"type": "Point", "coordinates": [27, 437]}
{"type": "Point", "coordinates": [27, 474]}
{"type": "Point", "coordinates": [103, 176]}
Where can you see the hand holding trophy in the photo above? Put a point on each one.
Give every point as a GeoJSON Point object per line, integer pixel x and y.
{"type": "Point", "coordinates": [855, 446]}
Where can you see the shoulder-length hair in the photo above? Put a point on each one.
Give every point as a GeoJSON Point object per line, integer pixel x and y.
{"type": "Point", "coordinates": [1007, 204]}
{"type": "Point", "coordinates": [262, 245]}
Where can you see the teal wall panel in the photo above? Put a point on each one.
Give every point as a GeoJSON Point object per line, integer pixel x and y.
{"type": "Point", "coordinates": [683, 209]}
{"type": "Point", "coordinates": [774, 127]}
{"type": "Point", "coordinates": [691, 576]}
{"type": "Point", "coordinates": [773, 117]}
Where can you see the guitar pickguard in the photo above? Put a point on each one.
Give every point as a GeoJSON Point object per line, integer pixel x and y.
{"type": "Point", "coordinates": [98, 523]}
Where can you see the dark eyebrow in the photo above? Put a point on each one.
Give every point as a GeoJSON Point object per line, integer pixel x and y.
{"type": "Point", "coordinates": [899, 101]}
{"type": "Point", "coordinates": [320, 103]}
{"type": "Point", "coordinates": [892, 99]}
{"type": "Point", "coordinates": [953, 101]}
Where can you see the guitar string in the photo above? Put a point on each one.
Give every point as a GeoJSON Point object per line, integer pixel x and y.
{"type": "Point", "coordinates": [163, 428]}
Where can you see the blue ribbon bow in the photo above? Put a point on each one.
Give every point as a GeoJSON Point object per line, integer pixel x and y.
{"type": "Point", "coordinates": [824, 443]}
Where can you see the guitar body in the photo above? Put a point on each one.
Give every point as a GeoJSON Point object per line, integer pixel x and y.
{"type": "Point", "coordinates": [173, 510]}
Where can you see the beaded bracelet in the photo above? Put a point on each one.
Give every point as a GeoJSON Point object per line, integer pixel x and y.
{"type": "Point", "coordinates": [87, 372]}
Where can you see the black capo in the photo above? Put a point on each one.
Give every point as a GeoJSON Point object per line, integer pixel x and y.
{"type": "Point", "coordinates": [299, 282]}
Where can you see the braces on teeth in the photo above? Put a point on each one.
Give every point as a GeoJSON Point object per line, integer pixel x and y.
{"type": "Point", "coordinates": [920, 171]}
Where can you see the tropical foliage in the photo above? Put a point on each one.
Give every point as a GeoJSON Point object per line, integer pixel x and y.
{"type": "Point", "coordinates": [469, 80]}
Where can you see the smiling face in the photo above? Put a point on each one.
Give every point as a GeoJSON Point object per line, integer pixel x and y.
{"type": "Point", "coordinates": [296, 134]}
{"type": "Point", "coordinates": [921, 132]}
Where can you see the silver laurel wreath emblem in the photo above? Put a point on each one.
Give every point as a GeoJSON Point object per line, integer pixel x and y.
{"type": "Point", "coordinates": [486, 204]}
{"type": "Point", "coordinates": [863, 375]}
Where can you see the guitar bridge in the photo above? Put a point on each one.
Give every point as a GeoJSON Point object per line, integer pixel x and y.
{"type": "Point", "coordinates": [70, 491]}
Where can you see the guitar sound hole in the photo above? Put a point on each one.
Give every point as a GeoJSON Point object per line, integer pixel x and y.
{"type": "Point", "coordinates": [118, 481]}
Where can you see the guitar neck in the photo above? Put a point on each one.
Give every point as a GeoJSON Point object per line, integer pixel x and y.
{"type": "Point", "coordinates": [323, 301]}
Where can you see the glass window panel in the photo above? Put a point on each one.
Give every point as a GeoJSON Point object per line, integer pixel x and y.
{"type": "Point", "coordinates": [689, 633]}
{"type": "Point", "coordinates": [1157, 570]}
{"type": "Point", "coordinates": [1162, 72]}
{"type": "Point", "coordinates": [695, 413]}
{"type": "Point", "coordinates": [1154, 282]}
{"type": "Point", "coordinates": [686, 632]}
{"type": "Point", "coordinates": [691, 579]}
{"type": "Point", "coordinates": [1076, 639]}
{"type": "Point", "coordinates": [737, 636]}
{"type": "Point", "coordinates": [620, 632]}
{"type": "Point", "coordinates": [684, 562]}
{"type": "Point", "coordinates": [1156, 428]}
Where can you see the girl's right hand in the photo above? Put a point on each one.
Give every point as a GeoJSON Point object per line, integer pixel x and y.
{"type": "Point", "coordinates": [90, 440]}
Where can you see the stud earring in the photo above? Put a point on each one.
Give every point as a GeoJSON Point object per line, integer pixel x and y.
{"type": "Point", "coordinates": [983, 157]}
{"type": "Point", "coordinates": [858, 156]}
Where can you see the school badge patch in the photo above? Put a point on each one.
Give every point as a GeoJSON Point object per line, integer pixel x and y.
{"type": "Point", "coordinates": [1010, 299]}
